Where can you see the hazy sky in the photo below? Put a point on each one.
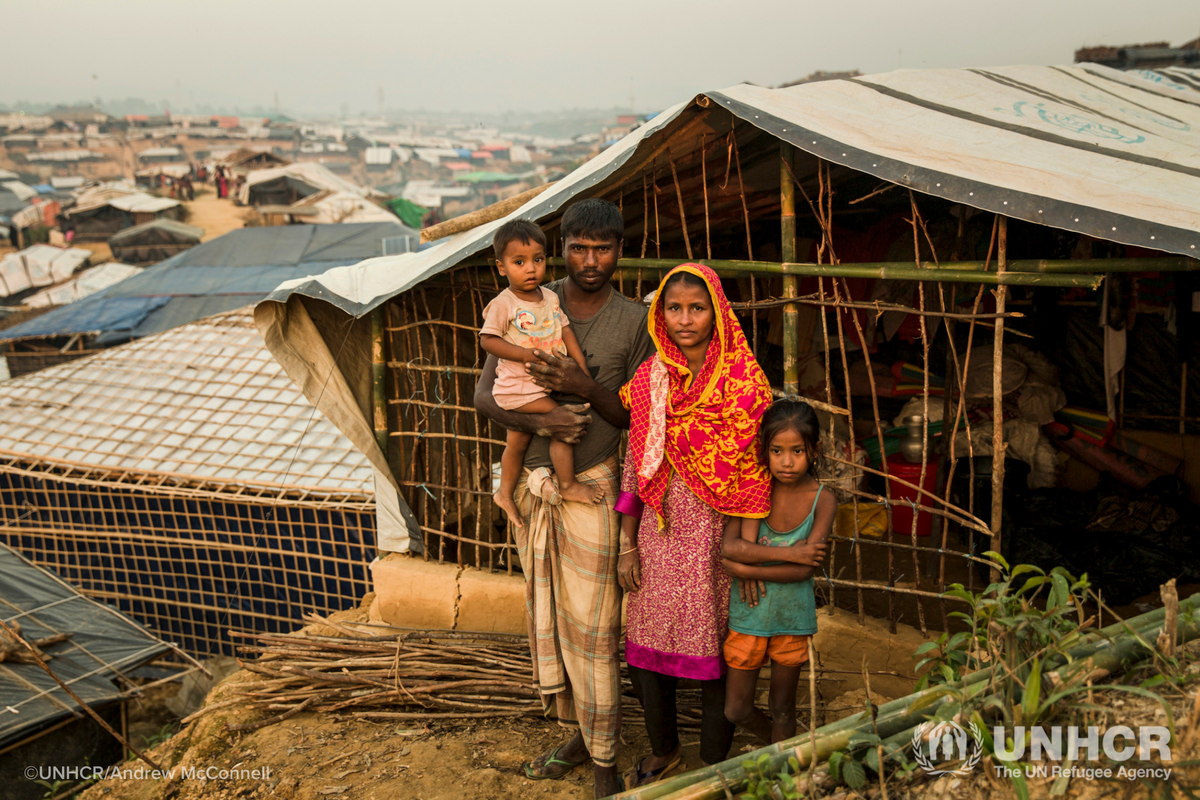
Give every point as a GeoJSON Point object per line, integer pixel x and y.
{"type": "Point", "coordinates": [521, 54]}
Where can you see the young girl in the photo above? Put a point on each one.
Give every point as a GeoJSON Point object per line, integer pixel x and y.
{"type": "Point", "coordinates": [522, 319]}
{"type": "Point", "coordinates": [772, 611]}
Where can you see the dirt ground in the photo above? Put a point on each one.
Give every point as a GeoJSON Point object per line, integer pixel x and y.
{"type": "Point", "coordinates": [312, 756]}
{"type": "Point", "coordinates": [217, 217]}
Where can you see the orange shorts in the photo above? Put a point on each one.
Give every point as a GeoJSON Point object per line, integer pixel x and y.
{"type": "Point", "coordinates": [743, 651]}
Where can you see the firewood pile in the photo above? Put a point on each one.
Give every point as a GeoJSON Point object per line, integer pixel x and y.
{"type": "Point", "coordinates": [415, 675]}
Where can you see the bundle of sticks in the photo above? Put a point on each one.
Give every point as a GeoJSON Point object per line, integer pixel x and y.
{"type": "Point", "coordinates": [417, 675]}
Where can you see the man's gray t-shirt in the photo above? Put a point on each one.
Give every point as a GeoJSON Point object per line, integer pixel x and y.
{"type": "Point", "coordinates": [615, 342]}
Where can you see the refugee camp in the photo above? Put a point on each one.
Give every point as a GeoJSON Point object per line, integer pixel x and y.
{"type": "Point", "coordinates": [416, 426]}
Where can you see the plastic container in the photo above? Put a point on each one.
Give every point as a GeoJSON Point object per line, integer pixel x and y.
{"type": "Point", "coordinates": [902, 512]}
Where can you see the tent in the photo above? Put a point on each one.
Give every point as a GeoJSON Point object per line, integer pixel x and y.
{"type": "Point", "coordinates": [229, 272]}
{"type": "Point", "coordinates": [330, 207]}
{"type": "Point", "coordinates": [246, 160]}
{"type": "Point", "coordinates": [154, 241]}
{"type": "Point", "coordinates": [183, 478]}
{"type": "Point", "coordinates": [103, 646]}
{"type": "Point", "coordinates": [85, 283]}
{"type": "Point", "coordinates": [39, 265]}
{"type": "Point", "coordinates": [100, 214]}
{"type": "Point", "coordinates": [1078, 172]}
{"type": "Point", "coordinates": [409, 212]}
{"type": "Point", "coordinates": [285, 185]}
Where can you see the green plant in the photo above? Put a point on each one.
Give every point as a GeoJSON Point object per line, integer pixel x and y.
{"type": "Point", "coordinates": [160, 736]}
{"type": "Point", "coordinates": [761, 785]}
{"type": "Point", "coordinates": [1011, 622]}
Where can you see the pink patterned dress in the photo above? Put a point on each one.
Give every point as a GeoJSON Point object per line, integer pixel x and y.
{"type": "Point", "coordinates": [677, 621]}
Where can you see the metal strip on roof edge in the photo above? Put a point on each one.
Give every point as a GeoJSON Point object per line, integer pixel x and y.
{"type": "Point", "coordinates": [977, 194]}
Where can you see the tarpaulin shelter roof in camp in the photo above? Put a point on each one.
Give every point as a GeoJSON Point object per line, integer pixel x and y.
{"type": "Point", "coordinates": [85, 283]}
{"type": "Point", "coordinates": [154, 241]}
{"type": "Point", "coordinates": [229, 272]}
{"type": "Point", "coordinates": [184, 477]}
{"type": "Point", "coordinates": [305, 178]}
{"type": "Point", "coordinates": [21, 190]}
{"type": "Point", "coordinates": [1084, 149]}
{"type": "Point", "coordinates": [103, 644]}
{"type": "Point", "coordinates": [39, 265]}
{"type": "Point", "coordinates": [331, 207]}
{"type": "Point", "coordinates": [203, 403]}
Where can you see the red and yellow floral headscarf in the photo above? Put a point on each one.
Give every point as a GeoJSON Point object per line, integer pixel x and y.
{"type": "Point", "coordinates": [704, 426]}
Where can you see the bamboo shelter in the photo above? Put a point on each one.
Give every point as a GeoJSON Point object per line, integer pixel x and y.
{"type": "Point", "coordinates": [886, 241]}
{"type": "Point", "coordinates": [184, 479]}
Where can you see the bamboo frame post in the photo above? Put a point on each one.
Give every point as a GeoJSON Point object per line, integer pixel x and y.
{"type": "Point", "coordinates": [1183, 399]}
{"type": "Point", "coordinates": [787, 225]}
{"type": "Point", "coordinates": [997, 396]}
{"type": "Point", "coordinates": [378, 385]}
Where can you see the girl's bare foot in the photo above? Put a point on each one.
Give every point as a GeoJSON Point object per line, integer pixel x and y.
{"type": "Point", "coordinates": [578, 492]}
{"type": "Point", "coordinates": [505, 501]}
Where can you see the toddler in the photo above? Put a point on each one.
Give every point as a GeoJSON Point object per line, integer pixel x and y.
{"type": "Point", "coordinates": [523, 319]}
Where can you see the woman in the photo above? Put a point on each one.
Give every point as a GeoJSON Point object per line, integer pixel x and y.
{"type": "Point", "coordinates": [694, 413]}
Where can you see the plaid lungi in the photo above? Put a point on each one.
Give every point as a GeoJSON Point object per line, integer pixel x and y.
{"type": "Point", "coordinates": [573, 603]}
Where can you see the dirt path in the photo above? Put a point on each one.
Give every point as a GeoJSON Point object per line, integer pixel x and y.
{"type": "Point", "coordinates": [217, 217]}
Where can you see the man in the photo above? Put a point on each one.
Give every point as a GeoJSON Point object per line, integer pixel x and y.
{"type": "Point", "coordinates": [569, 550]}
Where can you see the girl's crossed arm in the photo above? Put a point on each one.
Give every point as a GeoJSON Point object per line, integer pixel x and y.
{"type": "Point", "coordinates": [803, 558]}
{"type": "Point", "coordinates": [740, 545]}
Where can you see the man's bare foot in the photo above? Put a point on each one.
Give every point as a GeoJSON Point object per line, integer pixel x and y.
{"type": "Point", "coordinates": [505, 501]}
{"type": "Point", "coordinates": [578, 492]}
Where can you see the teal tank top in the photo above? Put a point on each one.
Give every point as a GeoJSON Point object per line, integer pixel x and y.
{"type": "Point", "coordinates": [787, 608]}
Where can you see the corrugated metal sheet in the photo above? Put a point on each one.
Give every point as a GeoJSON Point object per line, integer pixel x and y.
{"type": "Point", "coordinates": [103, 645]}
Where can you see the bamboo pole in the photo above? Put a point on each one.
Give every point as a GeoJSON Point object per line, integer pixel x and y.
{"type": "Point", "coordinates": [998, 397]}
{"type": "Point", "coordinates": [481, 217]}
{"type": "Point", "coordinates": [948, 272]}
{"type": "Point", "coordinates": [378, 380]}
{"type": "Point", "coordinates": [791, 314]}
{"type": "Point", "coordinates": [894, 718]}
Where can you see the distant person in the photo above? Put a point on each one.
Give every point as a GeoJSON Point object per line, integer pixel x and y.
{"type": "Point", "coordinates": [522, 320]}
{"type": "Point", "coordinates": [569, 550]}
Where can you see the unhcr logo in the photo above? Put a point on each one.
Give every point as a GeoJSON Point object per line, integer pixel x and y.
{"type": "Point", "coordinates": [947, 743]}
{"type": "Point", "coordinates": [947, 748]}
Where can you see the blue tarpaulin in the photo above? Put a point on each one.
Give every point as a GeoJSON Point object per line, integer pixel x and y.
{"type": "Point", "coordinates": [230, 272]}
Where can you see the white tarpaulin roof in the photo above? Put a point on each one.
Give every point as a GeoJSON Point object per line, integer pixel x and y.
{"type": "Point", "coordinates": [205, 402]}
{"type": "Point", "coordinates": [143, 203]}
{"type": "Point", "coordinates": [340, 207]}
{"type": "Point", "coordinates": [314, 175]}
{"type": "Point", "coordinates": [87, 282]}
{"type": "Point", "coordinates": [40, 265]}
{"type": "Point", "coordinates": [21, 190]}
{"type": "Point", "coordinates": [1083, 148]}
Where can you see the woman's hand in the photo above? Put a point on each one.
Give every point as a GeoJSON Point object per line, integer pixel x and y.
{"type": "Point", "coordinates": [751, 590]}
{"type": "Point", "coordinates": [629, 571]}
{"type": "Point", "coordinates": [807, 554]}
